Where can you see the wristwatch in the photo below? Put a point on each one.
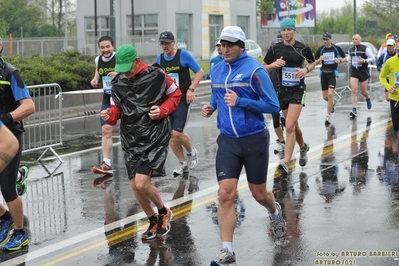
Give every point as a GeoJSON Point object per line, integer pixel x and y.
{"type": "Point", "coordinates": [191, 89]}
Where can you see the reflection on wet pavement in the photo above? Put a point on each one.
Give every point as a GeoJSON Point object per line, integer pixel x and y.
{"type": "Point", "coordinates": [345, 199]}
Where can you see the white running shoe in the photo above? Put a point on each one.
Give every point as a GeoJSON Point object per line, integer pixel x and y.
{"type": "Point", "coordinates": [279, 226]}
{"type": "Point", "coordinates": [192, 159]}
{"type": "Point", "coordinates": [225, 258]}
{"type": "Point", "coordinates": [182, 168]}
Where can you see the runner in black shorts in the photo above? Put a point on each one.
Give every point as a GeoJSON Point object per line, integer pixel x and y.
{"type": "Point", "coordinates": [359, 56]}
{"type": "Point", "coordinates": [288, 57]}
{"type": "Point", "coordinates": [330, 55]}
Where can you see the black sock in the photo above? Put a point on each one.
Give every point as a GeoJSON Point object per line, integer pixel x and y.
{"type": "Point", "coordinates": [162, 211]}
{"type": "Point", "coordinates": [6, 216]}
{"type": "Point", "coordinates": [19, 231]}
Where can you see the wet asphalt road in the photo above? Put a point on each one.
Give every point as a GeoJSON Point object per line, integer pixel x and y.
{"type": "Point", "coordinates": [338, 208]}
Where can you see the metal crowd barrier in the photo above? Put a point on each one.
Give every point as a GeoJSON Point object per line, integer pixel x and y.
{"type": "Point", "coordinates": [43, 129]}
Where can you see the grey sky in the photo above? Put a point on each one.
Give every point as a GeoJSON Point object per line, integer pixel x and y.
{"type": "Point", "coordinates": [325, 5]}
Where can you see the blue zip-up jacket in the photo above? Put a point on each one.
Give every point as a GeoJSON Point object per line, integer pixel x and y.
{"type": "Point", "coordinates": [383, 58]}
{"type": "Point", "coordinates": [256, 96]}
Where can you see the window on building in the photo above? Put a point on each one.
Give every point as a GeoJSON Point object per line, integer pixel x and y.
{"type": "Point", "coordinates": [243, 23]}
{"type": "Point", "coordinates": [103, 28]}
{"type": "Point", "coordinates": [144, 25]}
{"type": "Point", "coordinates": [215, 28]}
{"type": "Point", "coordinates": [183, 33]}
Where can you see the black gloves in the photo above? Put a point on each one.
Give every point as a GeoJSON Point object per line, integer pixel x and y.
{"type": "Point", "coordinates": [7, 119]}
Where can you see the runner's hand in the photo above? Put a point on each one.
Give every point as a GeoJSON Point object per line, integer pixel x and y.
{"type": "Point", "coordinates": [207, 110]}
{"type": "Point", "coordinates": [155, 112]}
{"type": "Point", "coordinates": [105, 114]}
{"type": "Point", "coordinates": [230, 98]}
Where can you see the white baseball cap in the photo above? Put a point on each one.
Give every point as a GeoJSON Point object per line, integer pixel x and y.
{"type": "Point", "coordinates": [232, 34]}
{"type": "Point", "coordinates": [391, 42]}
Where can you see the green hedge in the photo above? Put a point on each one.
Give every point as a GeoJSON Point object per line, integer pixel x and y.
{"type": "Point", "coordinates": [70, 70]}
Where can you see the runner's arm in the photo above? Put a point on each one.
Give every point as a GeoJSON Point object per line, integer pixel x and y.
{"type": "Point", "coordinates": [173, 94]}
{"type": "Point", "coordinates": [370, 56]}
{"type": "Point", "coordinates": [94, 81]}
{"type": "Point", "coordinates": [383, 76]}
{"type": "Point", "coordinates": [114, 115]}
{"type": "Point", "coordinates": [188, 61]}
{"type": "Point", "coordinates": [269, 62]}
{"type": "Point", "coordinates": [268, 102]}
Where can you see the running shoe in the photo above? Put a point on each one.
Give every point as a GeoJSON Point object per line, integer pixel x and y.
{"type": "Point", "coordinates": [182, 168]}
{"type": "Point", "coordinates": [22, 185]}
{"type": "Point", "coordinates": [164, 223]}
{"type": "Point", "coordinates": [303, 155]}
{"type": "Point", "coordinates": [283, 169]}
{"type": "Point", "coordinates": [352, 115]}
{"type": "Point", "coordinates": [192, 159]}
{"type": "Point", "coordinates": [102, 169]}
{"type": "Point", "coordinates": [5, 228]}
{"type": "Point", "coordinates": [368, 101]}
{"type": "Point", "coordinates": [327, 121]}
{"type": "Point", "coordinates": [150, 232]}
{"type": "Point", "coordinates": [279, 226]}
{"type": "Point", "coordinates": [225, 258]}
{"type": "Point", "coordinates": [17, 241]}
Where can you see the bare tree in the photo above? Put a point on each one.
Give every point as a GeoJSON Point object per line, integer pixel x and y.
{"type": "Point", "coordinates": [54, 11]}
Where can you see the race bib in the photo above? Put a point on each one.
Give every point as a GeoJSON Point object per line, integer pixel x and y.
{"type": "Point", "coordinates": [107, 84]}
{"type": "Point", "coordinates": [175, 77]}
{"type": "Point", "coordinates": [289, 79]}
{"type": "Point", "coordinates": [355, 61]}
{"type": "Point", "coordinates": [396, 78]}
{"type": "Point", "coordinates": [329, 58]}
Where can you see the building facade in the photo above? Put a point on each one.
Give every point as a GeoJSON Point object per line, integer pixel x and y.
{"type": "Point", "coordinates": [196, 24]}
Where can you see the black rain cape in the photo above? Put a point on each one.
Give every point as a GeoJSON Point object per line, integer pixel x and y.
{"type": "Point", "coordinates": [144, 141]}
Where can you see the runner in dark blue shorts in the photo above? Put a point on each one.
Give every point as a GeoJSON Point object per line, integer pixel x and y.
{"type": "Point", "coordinates": [242, 100]}
{"type": "Point", "coordinates": [251, 152]}
{"type": "Point", "coordinates": [179, 117]}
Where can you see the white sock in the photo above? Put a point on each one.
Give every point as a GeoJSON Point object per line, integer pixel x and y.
{"type": "Point", "coordinates": [228, 245]}
{"type": "Point", "coordinates": [19, 176]}
{"type": "Point", "coordinates": [107, 161]}
{"type": "Point", "coordinates": [192, 153]}
{"type": "Point", "coordinates": [274, 215]}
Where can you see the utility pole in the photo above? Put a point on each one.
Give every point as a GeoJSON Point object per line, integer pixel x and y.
{"type": "Point", "coordinates": [95, 26]}
{"type": "Point", "coordinates": [112, 21]}
{"type": "Point", "coordinates": [132, 21]}
{"type": "Point", "coordinates": [354, 18]}
{"type": "Point", "coordinates": [66, 26]}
